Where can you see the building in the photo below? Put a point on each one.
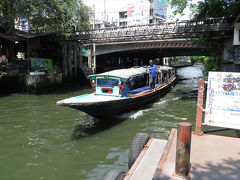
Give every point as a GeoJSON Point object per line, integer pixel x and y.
{"type": "Point", "coordinates": [139, 12]}
{"type": "Point", "coordinates": [236, 40]}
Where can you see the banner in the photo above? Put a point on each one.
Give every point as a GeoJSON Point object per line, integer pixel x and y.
{"type": "Point", "coordinates": [39, 64]}
{"type": "Point", "coordinates": [160, 9]}
{"type": "Point", "coordinates": [223, 100]}
{"type": "Point", "coordinates": [138, 13]}
{"type": "Point", "coordinates": [24, 24]}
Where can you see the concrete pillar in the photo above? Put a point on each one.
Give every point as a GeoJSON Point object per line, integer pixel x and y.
{"type": "Point", "coordinates": [90, 57]}
{"type": "Point", "coordinates": [94, 59]}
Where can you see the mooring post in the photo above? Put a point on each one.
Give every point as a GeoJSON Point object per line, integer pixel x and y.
{"type": "Point", "coordinates": [198, 127]}
{"type": "Point", "coordinates": [184, 133]}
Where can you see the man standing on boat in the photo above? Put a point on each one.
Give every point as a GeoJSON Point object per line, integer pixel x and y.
{"type": "Point", "coordinates": [152, 69]}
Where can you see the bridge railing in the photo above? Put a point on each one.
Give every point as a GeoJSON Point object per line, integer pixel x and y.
{"type": "Point", "coordinates": [166, 30]}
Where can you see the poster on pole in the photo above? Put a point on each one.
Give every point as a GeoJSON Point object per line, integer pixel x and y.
{"type": "Point", "coordinates": [223, 100]}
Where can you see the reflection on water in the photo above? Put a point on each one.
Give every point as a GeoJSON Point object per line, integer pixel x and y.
{"type": "Point", "coordinates": [40, 140]}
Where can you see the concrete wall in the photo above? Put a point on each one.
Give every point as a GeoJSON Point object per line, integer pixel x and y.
{"type": "Point", "coordinates": [34, 82]}
{"type": "Point", "coordinates": [228, 51]}
{"type": "Point", "coordinates": [230, 68]}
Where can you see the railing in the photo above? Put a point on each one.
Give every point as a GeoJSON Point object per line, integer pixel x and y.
{"type": "Point", "coordinates": [166, 30]}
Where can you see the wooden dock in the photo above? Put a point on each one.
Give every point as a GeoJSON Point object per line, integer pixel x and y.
{"type": "Point", "coordinates": [212, 157]}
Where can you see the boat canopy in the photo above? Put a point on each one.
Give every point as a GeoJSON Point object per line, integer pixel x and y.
{"type": "Point", "coordinates": [121, 73]}
{"type": "Point", "coordinates": [127, 73]}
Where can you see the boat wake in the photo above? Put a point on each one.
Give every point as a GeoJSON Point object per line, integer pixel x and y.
{"type": "Point", "coordinates": [165, 101]}
{"type": "Point", "coordinates": [133, 114]}
{"type": "Point", "coordinates": [138, 113]}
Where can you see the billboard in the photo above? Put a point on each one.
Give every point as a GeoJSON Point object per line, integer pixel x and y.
{"type": "Point", "coordinates": [138, 13]}
{"type": "Point", "coordinates": [41, 64]}
{"type": "Point", "coordinates": [24, 24]}
{"type": "Point", "coordinates": [160, 9]}
{"type": "Point", "coordinates": [223, 100]}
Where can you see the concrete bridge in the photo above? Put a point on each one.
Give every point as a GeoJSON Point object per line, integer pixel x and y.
{"type": "Point", "coordinates": [153, 40]}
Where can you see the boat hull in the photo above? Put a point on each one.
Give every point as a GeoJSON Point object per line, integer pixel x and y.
{"type": "Point", "coordinates": [108, 108]}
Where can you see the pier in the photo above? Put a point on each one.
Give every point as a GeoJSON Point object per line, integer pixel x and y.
{"type": "Point", "coordinates": [196, 155]}
{"type": "Point", "coordinates": [212, 157]}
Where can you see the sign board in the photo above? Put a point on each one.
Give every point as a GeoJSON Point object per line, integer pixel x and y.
{"type": "Point", "coordinates": [138, 13]}
{"type": "Point", "coordinates": [160, 9]}
{"type": "Point", "coordinates": [40, 64]}
{"type": "Point", "coordinates": [223, 100]}
{"type": "Point", "coordinates": [24, 24]}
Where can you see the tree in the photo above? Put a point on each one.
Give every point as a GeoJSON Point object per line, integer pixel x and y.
{"type": "Point", "coordinates": [209, 9]}
{"type": "Point", "coordinates": [59, 16]}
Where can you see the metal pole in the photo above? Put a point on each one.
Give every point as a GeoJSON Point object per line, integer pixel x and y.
{"type": "Point", "coordinates": [184, 134]}
{"type": "Point", "coordinates": [104, 10]}
{"type": "Point", "coordinates": [94, 46]}
{"type": "Point", "coordinates": [198, 127]}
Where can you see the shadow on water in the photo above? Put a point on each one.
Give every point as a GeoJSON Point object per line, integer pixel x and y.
{"type": "Point", "coordinates": [93, 125]}
{"type": "Point", "coordinates": [187, 95]}
{"type": "Point", "coordinates": [59, 89]}
{"type": "Point", "coordinates": [63, 89]}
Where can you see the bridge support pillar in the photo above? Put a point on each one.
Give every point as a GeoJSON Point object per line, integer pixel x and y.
{"type": "Point", "coordinates": [92, 58]}
{"type": "Point", "coordinates": [94, 67]}
{"type": "Point", "coordinates": [89, 57]}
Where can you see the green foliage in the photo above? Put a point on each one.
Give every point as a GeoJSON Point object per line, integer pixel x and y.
{"type": "Point", "coordinates": [59, 16]}
{"type": "Point", "coordinates": [178, 5]}
{"type": "Point", "coordinates": [204, 10]}
{"type": "Point", "coordinates": [216, 8]}
{"type": "Point", "coordinates": [211, 63]}
{"type": "Point", "coordinates": [207, 9]}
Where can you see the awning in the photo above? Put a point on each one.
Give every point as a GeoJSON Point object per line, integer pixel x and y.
{"type": "Point", "coordinates": [11, 37]}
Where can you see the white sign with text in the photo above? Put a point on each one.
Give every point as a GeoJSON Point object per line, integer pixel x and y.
{"type": "Point", "coordinates": [223, 100]}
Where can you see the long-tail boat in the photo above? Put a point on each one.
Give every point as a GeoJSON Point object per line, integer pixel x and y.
{"type": "Point", "coordinates": [121, 90]}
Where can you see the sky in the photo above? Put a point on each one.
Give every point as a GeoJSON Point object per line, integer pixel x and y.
{"type": "Point", "coordinates": [113, 7]}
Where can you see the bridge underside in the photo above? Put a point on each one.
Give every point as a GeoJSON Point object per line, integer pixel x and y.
{"type": "Point", "coordinates": [139, 57]}
{"type": "Point", "coordinates": [159, 49]}
{"type": "Point", "coordinates": [159, 53]}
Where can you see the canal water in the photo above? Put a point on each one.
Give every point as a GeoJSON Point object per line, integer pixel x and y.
{"type": "Point", "coordinates": [39, 140]}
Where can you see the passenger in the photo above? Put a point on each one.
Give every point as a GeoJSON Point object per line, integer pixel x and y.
{"type": "Point", "coordinates": [152, 69]}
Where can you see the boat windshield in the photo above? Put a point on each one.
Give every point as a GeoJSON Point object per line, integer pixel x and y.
{"type": "Point", "coordinates": [107, 82]}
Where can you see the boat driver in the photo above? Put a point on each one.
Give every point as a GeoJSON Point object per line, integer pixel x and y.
{"type": "Point", "coordinates": [152, 69]}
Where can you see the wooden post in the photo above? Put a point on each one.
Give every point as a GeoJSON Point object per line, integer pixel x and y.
{"type": "Point", "coordinates": [184, 134]}
{"type": "Point", "coordinates": [64, 59]}
{"type": "Point", "coordinates": [28, 55]}
{"type": "Point", "coordinates": [198, 127]}
{"type": "Point", "coordinates": [80, 56]}
{"type": "Point", "coordinates": [69, 58]}
{"type": "Point", "coordinates": [75, 58]}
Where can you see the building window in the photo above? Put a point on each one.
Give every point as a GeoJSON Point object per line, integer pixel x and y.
{"type": "Point", "coordinates": [123, 15]}
{"type": "Point", "coordinates": [151, 11]}
{"type": "Point", "coordinates": [239, 35]}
